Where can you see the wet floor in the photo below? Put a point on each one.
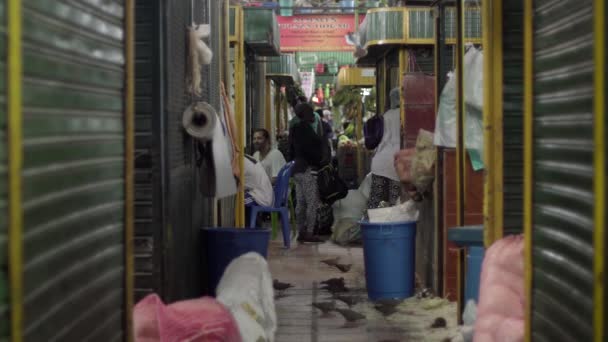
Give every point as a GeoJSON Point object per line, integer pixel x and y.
{"type": "Point", "coordinates": [300, 321]}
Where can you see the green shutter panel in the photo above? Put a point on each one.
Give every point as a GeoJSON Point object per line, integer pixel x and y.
{"type": "Point", "coordinates": [562, 298]}
{"type": "Point", "coordinates": [513, 116]}
{"type": "Point", "coordinates": [73, 176]}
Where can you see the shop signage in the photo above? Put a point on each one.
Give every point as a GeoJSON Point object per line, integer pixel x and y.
{"type": "Point", "coordinates": [323, 32]}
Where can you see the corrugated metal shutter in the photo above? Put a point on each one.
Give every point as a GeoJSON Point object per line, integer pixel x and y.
{"type": "Point", "coordinates": [425, 59]}
{"type": "Point", "coordinates": [513, 116]}
{"type": "Point", "coordinates": [4, 319]}
{"type": "Point", "coordinates": [73, 176]}
{"type": "Point", "coordinates": [562, 298]}
{"type": "Point", "coordinates": [181, 243]}
{"type": "Point", "coordinates": [342, 58]}
{"type": "Point", "coordinates": [148, 164]}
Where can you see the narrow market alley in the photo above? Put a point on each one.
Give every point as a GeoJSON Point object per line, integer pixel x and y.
{"type": "Point", "coordinates": [299, 321]}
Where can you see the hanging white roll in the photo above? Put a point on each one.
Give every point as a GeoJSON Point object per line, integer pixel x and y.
{"type": "Point", "coordinates": [199, 120]}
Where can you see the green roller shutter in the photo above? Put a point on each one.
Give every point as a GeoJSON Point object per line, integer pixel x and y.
{"type": "Point", "coordinates": [562, 297]}
{"type": "Point", "coordinates": [73, 176]}
{"type": "Point", "coordinates": [513, 116]}
{"type": "Point", "coordinates": [4, 319]}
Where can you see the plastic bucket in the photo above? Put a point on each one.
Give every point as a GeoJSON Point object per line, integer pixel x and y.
{"type": "Point", "coordinates": [286, 12]}
{"type": "Point", "coordinates": [473, 273]}
{"type": "Point", "coordinates": [390, 255]}
{"type": "Point", "coordinates": [222, 245]}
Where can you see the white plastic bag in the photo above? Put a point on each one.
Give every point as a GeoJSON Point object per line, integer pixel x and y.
{"type": "Point", "coordinates": [445, 126]}
{"type": "Point", "coordinates": [400, 213]}
{"type": "Point", "coordinates": [352, 206]}
{"type": "Point", "coordinates": [366, 186]}
{"type": "Point", "coordinates": [246, 290]}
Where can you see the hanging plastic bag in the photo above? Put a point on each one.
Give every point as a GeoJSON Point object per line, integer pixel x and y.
{"type": "Point", "coordinates": [422, 168]}
{"type": "Point", "coordinates": [445, 126]}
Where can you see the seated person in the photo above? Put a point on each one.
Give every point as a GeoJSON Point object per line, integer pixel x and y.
{"type": "Point", "coordinates": [272, 159]}
{"type": "Point", "coordinates": [258, 190]}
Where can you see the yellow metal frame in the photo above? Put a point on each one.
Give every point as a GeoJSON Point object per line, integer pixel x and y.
{"type": "Point", "coordinates": [267, 104]}
{"type": "Point", "coordinates": [460, 117]}
{"type": "Point", "coordinates": [15, 166]}
{"type": "Point", "coordinates": [233, 38]}
{"type": "Point", "coordinates": [599, 166]}
{"type": "Point", "coordinates": [239, 112]}
{"type": "Point", "coordinates": [493, 199]}
{"type": "Point", "coordinates": [528, 158]}
{"type": "Point", "coordinates": [351, 77]}
{"type": "Point", "coordinates": [129, 165]}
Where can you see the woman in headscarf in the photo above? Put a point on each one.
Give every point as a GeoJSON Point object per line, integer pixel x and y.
{"type": "Point", "coordinates": [308, 150]}
{"type": "Point", "coordinates": [385, 181]}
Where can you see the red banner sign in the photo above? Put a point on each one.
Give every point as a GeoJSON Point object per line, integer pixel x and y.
{"type": "Point", "coordinates": [324, 32]}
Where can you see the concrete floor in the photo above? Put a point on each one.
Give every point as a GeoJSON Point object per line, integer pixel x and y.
{"type": "Point", "coordinates": [299, 321]}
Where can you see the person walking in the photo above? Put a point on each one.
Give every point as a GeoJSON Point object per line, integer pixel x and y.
{"type": "Point", "coordinates": [309, 151]}
{"type": "Point", "coordinates": [385, 181]}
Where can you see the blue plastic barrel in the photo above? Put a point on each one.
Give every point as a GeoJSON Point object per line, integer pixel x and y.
{"type": "Point", "coordinates": [473, 273]}
{"type": "Point", "coordinates": [222, 245]}
{"type": "Point", "coordinates": [390, 259]}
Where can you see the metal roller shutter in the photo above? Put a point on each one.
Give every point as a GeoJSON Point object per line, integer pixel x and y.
{"type": "Point", "coordinates": [4, 313]}
{"type": "Point", "coordinates": [563, 201]}
{"type": "Point", "coordinates": [73, 172]}
{"type": "Point", "coordinates": [513, 116]}
{"type": "Point", "coordinates": [148, 143]}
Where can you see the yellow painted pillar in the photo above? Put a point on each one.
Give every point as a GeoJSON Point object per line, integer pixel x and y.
{"type": "Point", "coordinates": [239, 110]}
{"type": "Point", "coordinates": [129, 166]}
{"type": "Point", "coordinates": [15, 166]}
{"type": "Point", "coordinates": [599, 166]}
{"type": "Point", "coordinates": [492, 19]}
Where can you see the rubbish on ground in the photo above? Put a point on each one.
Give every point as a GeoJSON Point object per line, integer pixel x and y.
{"type": "Point", "coordinates": [350, 315]}
{"type": "Point", "coordinates": [424, 293]}
{"type": "Point", "coordinates": [325, 307]}
{"type": "Point", "coordinates": [400, 213]}
{"type": "Point", "coordinates": [246, 289]}
{"type": "Point", "coordinates": [277, 285]}
{"type": "Point", "coordinates": [344, 268]}
{"type": "Point", "coordinates": [439, 322]}
{"type": "Point", "coordinates": [331, 262]}
{"type": "Point", "coordinates": [202, 318]}
{"type": "Point", "coordinates": [385, 310]}
{"type": "Point", "coordinates": [334, 282]}
{"type": "Point", "coordinates": [434, 303]}
{"type": "Point", "coordinates": [470, 313]}
{"type": "Point", "coordinates": [348, 300]}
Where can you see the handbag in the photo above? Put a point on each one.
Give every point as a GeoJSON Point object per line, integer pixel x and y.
{"type": "Point", "coordinates": [331, 187]}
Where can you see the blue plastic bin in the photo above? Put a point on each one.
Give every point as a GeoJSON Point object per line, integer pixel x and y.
{"type": "Point", "coordinates": [222, 245]}
{"type": "Point", "coordinates": [473, 273]}
{"type": "Point", "coordinates": [390, 259]}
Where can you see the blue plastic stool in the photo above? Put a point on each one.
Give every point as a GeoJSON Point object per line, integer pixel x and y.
{"type": "Point", "coordinates": [470, 237]}
{"type": "Point", "coordinates": [280, 205]}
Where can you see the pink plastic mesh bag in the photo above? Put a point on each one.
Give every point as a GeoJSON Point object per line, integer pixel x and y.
{"type": "Point", "coordinates": [500, 314]}
{"type": "Point", "coordinates": [195, 320]}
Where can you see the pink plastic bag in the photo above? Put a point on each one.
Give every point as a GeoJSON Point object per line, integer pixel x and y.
{"type": "Point", "coordinates": [195, 320]}
{"type": "Point", "coordinates": [500, 313]}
